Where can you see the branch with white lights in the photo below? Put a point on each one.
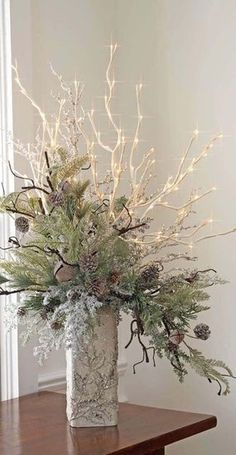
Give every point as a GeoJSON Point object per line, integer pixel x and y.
{"type": "Point", "coordinates": [77, 129]}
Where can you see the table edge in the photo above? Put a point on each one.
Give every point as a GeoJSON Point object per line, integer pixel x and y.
{"type": "Point", "coordinates": [166, 439]}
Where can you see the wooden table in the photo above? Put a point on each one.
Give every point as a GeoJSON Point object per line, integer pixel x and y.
{"type": "Point", "coordinates": [36, 425]}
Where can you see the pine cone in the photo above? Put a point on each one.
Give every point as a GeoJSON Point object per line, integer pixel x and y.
{"type": "Point", "coordinates": [114, 277]}
{"type": "Point", "coordinates": [88, 263]}
{"type": "Point", "coordinates": [56, 325]}
{"type": "Point", "coordinates": [98, 288]}
{"type": "Point", "coordinates": [56, 198]}
{"type": "Point", "coordinates": [64, 272]}
{"type": "Point", "coordinates": [64, 186]}
{"type": "Point", "coordinates": [202, 331]}
{"type": "Point", "coordinates": [176, 337]}
{"type": "Point", "coordinates": [74, 294]}
{"type": "Point", "coordinates": [172, 347]}
{"type": "Point", "coordinates": [22, 224]}
{"type": "Point", "coordinates": [44, 314]}
{"type": "Point", "coordinates": [21, 311]}
{"type": "Point", "coordinates": [149, 276]}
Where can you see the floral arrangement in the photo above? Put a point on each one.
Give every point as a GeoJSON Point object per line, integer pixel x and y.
{"type": "Point", "coordinates": [83, 241]}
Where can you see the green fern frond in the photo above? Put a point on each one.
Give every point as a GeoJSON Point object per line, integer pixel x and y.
{"type": "Point", "coordinates": [80, 188]}
{"type": "Point", "coordinates": [208, 368]}
{"type": "Point", "coordinates": [62, 153]}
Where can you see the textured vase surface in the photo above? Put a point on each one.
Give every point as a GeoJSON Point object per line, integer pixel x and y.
{"type": "Point", "coordinates": [92, 378]}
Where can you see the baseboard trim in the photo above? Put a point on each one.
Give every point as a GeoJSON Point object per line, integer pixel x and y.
{"type": "Point", "coordinates": [57, 379]}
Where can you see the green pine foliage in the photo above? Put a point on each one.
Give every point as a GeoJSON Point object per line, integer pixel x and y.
{"type": "Point", "coordinates": [76, 232]}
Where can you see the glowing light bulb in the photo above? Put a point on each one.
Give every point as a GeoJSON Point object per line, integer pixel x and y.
{"type": "Point", "coordinates": [196, 132]}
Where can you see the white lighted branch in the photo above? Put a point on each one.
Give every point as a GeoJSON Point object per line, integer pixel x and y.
{"type": "Point", "coordinates": [125, 157]}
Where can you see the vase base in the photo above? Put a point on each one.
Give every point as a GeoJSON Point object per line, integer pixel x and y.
{"type": "Point", "coordinates": [79, 424]}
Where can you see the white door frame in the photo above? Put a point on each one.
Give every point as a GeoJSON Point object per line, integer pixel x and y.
{"type": "Point", "coordinates": [8, 338]}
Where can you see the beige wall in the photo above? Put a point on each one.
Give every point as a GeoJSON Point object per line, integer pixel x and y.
{"type": "Point", "coordinates": [185, 52]}
{"type": "Point", "coordinates": [186, 49]}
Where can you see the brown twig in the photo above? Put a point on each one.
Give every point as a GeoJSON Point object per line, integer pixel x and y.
{"type": "Point", "coordinates": [47, 162]}
{"type": "Point", "coordinates": [194, 276]}
{"type": "Point", "coordinates": [49, 183]}
{"type": "Point", "coordinates": [5, 292]}
{"type": "Point", "coordinates": [34, 187]}
{"type": "Point", "coordinates": [41, 206]}
{"type": "Point", "coordinates": [128, 227]}
{"type": "Point", "coordinates": [19, 176]}
{"type": "Point", "coordinates": [143, 359]}
{"type": "Point", "coordinates": [133, 333]}
{"type": "Point", "coordinates": [19, 212]}
{"type": "Point", "coordinates": [3, 189]}
{"type": "Point", "coordinates": [86, 168]}
{"type": "Point", "coordinates": [131, 228]}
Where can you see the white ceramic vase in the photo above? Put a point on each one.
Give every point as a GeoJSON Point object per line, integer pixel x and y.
{"type": "Point", "coordinates": [92, 378]}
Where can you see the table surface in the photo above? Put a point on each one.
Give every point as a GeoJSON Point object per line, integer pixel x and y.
{"type": "Point", "coordinates": [36, 425]}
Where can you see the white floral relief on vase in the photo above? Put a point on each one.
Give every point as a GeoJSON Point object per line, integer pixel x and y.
{"type": "Point", "coordinates": [92, 378]}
